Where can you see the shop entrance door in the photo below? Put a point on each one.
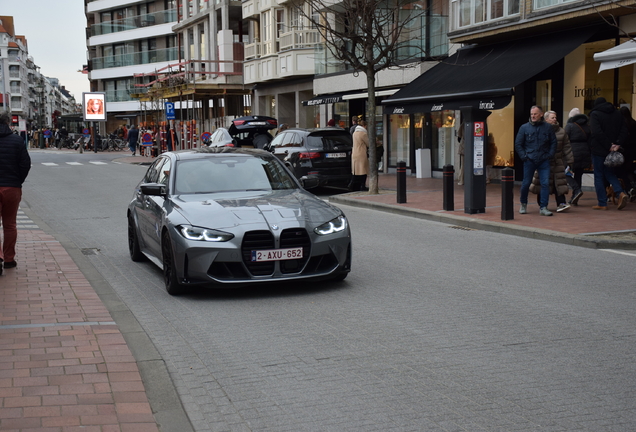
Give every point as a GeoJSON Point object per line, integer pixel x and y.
{"type": "Point", "coordinates": [544, 94]}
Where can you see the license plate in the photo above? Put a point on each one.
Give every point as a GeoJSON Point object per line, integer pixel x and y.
{"type": "Point", "coordinates": [335, 155]}
{"type": "Point", "coordinates": [277, 254]}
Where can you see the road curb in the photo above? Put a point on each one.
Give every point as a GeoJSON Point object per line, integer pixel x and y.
{"type": "Point", "coordinates": [499, 227]}
{"type": "Point", "coordinates": [160, 389]}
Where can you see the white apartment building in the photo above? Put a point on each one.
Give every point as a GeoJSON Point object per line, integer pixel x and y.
{"type": "Point", "coordinates": [35, 100]}
{"type": "Point", "coordinates": [125, 38]}
{"type": "Point", "coordinates": [15, 73]}
{"type": "Point", "coordinates": [295, 80]}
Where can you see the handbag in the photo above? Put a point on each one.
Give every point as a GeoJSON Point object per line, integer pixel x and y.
{"type": "Point", "coordinates": [614, 159]}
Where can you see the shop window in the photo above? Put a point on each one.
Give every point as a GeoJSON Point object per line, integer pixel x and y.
{"type": "Point", "coordinates": [501, 137]}
{"type": "Point", "coordinates": [444, 143]}
{"type": "Point", "coordinates": [399, 150]}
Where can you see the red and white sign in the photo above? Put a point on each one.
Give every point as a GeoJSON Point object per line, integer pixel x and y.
{"type": "Point", "coordinates": [479, 129]}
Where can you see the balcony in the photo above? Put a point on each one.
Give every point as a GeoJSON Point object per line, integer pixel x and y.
{"type": "Point", "coordinates": [138, 58]}
{"type": "Point", "coordinates": [132, 23]}
{"type": "Point", "coordinates": [298, 39]}
{"type": "Point", "coordinates": [295, 39]}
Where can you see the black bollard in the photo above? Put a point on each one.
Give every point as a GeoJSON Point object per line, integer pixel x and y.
{"type": "Point", "coordinates": [448, 181]}
{"type": "Point", "coordinates": [401, 182]}
{"type": "Point", "coordinates": [507, 199]}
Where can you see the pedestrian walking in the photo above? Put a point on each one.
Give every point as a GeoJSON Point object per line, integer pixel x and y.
{"type": "Point", "coordinates": [15, 164]}
{"type": "Point", "coordinates": [354, 124]}
{"type": "Point", "coordinates": [626, 171]}
{"type": "Point", "coordinates": [578, 130]}
{"type": "Point", "coordinates": [562, 158]}
{"type": "Point", "coordinates": [171, 138]}
{"type": "Point", "coordinates": [536, 145]}
{"type": "Point", "coordinates": [609, 133]}
{"type": "Point", "coordinates": [133, 137]}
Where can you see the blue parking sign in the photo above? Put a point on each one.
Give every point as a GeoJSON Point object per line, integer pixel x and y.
{"type": "Point", "coordinates": [170, 111]}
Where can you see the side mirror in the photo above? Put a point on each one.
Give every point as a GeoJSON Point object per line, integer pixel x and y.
{"type": "Point", "coordinates": [309, 182]}
{"type": "Point", "coordinates": [154, 189]}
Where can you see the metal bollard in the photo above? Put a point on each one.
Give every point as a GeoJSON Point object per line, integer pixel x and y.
{"type": "Point", "coordinates": [401, 182]}
{"type": "Point", "coordinates": [448, 182]}
{"type": "Point", "coordinates": [507, 199]}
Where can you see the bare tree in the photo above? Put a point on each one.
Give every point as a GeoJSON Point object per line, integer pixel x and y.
{"type": "Point", "coordinates": [368, 36]}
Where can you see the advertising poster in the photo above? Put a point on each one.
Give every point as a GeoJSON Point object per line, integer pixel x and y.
{"type": "Point", "coordinates": [94, 106]}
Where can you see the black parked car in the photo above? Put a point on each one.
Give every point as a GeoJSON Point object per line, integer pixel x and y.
{"type": "Point", "coordinates": [249, 131]}
{"type": "Point", "coordinates": [323, 153]}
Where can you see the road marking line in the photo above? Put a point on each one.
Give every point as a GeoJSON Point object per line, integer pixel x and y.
{"type": "Point", "coordinates": [74, 163]}
{"type": "Point", "coordinates": [98, 163]}
{"type": "Point", "coordinates": [620, 252]}
{"type": "Point", "coordinates": [49, 164]}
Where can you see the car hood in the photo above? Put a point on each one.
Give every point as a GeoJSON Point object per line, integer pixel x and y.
{"type": "Point", "coordinates": [266, 208]}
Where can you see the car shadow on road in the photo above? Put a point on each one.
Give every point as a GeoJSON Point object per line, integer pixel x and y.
{"type": "Point", "coordinates": [266, 290]}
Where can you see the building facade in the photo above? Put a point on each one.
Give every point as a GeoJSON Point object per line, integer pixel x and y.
{"type": "Point", "coordinates": [34, 100]}
{"type": "Point", "coordinates": [125, 38]}
{"type": "Point", "coordinates": [517, 53]}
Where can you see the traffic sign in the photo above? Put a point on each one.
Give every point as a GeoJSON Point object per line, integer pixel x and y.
{"type": "Point", "coordinates": [146, 139]}
{"type": "Point", "coordinates": [86, 132]}
{"type": "Point", "coordinates": [205, 137]}
{"type": "Point", "coordinates": [170, 114]}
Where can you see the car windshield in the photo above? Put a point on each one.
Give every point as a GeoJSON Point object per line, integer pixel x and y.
{"type": "Point", "coordinates": [225, 173]}
{"type": "Point", "coordinates": [329, 142]}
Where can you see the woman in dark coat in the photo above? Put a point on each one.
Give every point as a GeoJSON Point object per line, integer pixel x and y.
{"type": "Point", "coordinates": [579, 132]}
{"type": "Point", "coordinates": [626, 172]}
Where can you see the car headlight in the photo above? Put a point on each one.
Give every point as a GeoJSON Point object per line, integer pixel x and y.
{"type": "Point", "coordinates": [336, 225]}
{"type": "Point", "coordinates": [204, 234]}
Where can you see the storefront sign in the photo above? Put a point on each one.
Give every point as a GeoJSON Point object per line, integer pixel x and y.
{"type": "Point", "coordinates": [489, 104]}
{"type": "Point", "coordinates": [322, 100]}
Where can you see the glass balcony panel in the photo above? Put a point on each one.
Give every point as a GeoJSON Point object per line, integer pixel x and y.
{"type": "Point", "coordinates": [135, 22]}
{"type": "Point", "coordinates": [130, 59]}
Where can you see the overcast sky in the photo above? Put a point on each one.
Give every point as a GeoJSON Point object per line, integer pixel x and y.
{"type": "Point", "coordinates": [56, 38]}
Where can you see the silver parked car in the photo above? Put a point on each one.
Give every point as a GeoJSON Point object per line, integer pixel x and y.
{"type": "Point", "coordinates": [231, 217]}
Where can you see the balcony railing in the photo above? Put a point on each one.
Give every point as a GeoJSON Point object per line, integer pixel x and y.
{"type": "Point", "coordinates": [252, 50]}
{"type": "Point", "coordinates": [143, 57]}
{"type": "Point", "coordinates": [131, 23]}
{"type": "Point", "coordinates": [296, 39]}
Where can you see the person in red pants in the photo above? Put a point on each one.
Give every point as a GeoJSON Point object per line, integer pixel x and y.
{"type": "Point", "coordinates": [15, 164]}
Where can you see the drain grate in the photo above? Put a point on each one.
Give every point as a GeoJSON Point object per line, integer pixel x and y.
{"type": "Point", "coordinates": [90, 251]}
{"type": "Point", "coordinates": [457, 227]}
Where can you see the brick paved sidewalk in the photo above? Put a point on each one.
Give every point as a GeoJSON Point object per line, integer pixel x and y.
{"type": "Point", "coordinates": [64, 364]}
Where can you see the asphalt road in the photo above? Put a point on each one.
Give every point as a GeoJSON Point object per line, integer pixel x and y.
{"type": "Point", "coordinates": [436, 328]}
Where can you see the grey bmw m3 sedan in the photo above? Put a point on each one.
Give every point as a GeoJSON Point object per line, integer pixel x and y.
{"type": "Point", "coordinates": [230, 217]}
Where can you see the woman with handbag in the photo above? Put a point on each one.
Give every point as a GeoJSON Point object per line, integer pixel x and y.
{"type": "Point", "coordinates": [609, 132]}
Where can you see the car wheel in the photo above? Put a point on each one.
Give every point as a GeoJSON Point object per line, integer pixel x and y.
{"type": "Point", "coordinates": [133, 242]}
{"type": "Point", "coordinates": [169, 270]}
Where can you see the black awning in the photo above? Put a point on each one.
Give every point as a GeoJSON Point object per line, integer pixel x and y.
{"type": "Point", "coordinates": [484, 76]}
{"type": "Point", "coordinates": [324, 99]}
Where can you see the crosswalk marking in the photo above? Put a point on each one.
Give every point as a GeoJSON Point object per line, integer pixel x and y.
{"type": "Point", "coordinates": [53, 164]}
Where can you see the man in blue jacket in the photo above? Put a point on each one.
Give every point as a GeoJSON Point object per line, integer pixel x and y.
{"type": "Point", "coordinates": [536, 144]}
{"type": "Point", "coordinates": [15, 164]}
